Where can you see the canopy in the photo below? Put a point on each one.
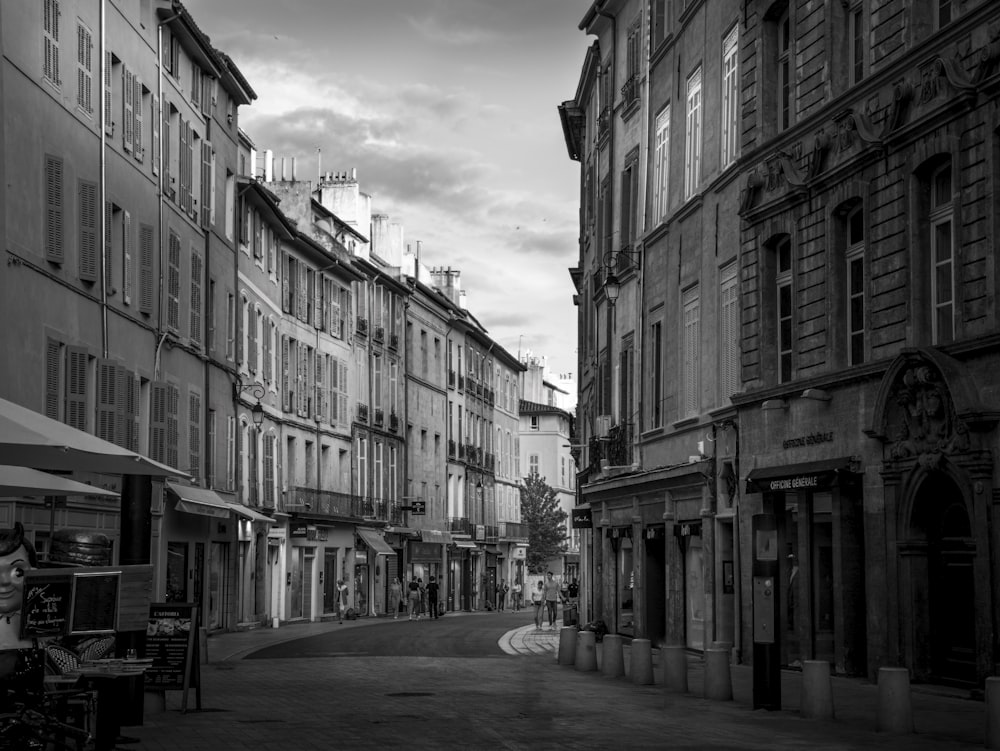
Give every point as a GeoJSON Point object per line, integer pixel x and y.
{"type": "Point", "coordinates": [200, 501]}
{"type": "Point", "coordinates": [28, 439]}
{"type": "Point", "coordinates": [248, 513]}
{"type": "Point", "coordinates": [25, 481]}
{"type": "Point", "coordinates": [434, 535]}
{"type": "Point", "coordinates": [375, 541]}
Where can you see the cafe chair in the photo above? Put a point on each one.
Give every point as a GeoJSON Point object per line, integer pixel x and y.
{"type": "Point", "coordinates": [97, 648]}
{"type": "Point", "coordinates": [61, 659]}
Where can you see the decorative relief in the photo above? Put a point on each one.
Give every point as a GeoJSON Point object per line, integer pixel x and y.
{"type": "Point", "coordinates": [921, 420]}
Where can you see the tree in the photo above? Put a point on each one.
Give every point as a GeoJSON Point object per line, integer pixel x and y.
{"type": "Point", "coordinates": [545, 520]}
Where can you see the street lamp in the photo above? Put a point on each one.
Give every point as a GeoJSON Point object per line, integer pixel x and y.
{"type": "Point", "coordinates": [612, 261]}
{"type": "Point", "coordinates": [257, 391]}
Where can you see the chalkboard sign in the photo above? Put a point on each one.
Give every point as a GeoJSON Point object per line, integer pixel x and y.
{"type": "Point", "coordinates": [171, 642]}
{"type": "Point", "coordinates": [95, 603]}
{"type": "Point", "coordinates": [48, 597]}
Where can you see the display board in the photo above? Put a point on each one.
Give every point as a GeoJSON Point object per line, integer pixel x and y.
{"type": "Point", "coordinates": [48, 600]}
{"type": "Point", "coordinates": [171, 643]}
{"type": "Point", "coordinates": [95, 602]}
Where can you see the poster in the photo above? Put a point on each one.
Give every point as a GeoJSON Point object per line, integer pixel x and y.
{"type": "Point", "coordinates": [170, 634]}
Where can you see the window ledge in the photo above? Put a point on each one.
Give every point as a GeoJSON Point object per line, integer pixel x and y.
{"type": "Point", "coordinates": [686, 422]}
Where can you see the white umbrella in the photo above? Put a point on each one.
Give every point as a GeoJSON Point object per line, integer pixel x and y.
{"type": "Point", "coordinates": [25, 481]}
{"type": "Point", "coordinates": [28, 439]}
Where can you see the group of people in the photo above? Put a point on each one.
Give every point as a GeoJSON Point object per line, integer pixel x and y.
{"type": "Point", "coordinates": [503, 590]}
{"type": "Point", "coordinates": [420, 599]}
{"type": "Point", "coordinates": [547, 596]}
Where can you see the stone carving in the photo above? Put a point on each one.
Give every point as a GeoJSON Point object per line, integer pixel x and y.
{"type": "Point", "coordinates": [921, 420]}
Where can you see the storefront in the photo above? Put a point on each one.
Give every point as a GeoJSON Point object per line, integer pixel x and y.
{"type": "Point", "coordinates": [371, 571]}
{"type": "Point", "coordinates": [319, 555]}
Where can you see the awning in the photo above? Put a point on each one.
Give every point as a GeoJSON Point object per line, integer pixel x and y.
{"type": "Point", "coordinates": [802, 476]}
{"type": "Point", "coordinates": [24, 481]}
{"type": "Point", "coordinates": [433, 535]}
{"type": "Point", "coordinates": [199, 501]}
{"type": "Point", "coordinates": [464, 544]}
{"type": "Point", "coordinates": [30, 439]}
{"type": "Point", "coordinates": [248, 513]}
{"type": "Point", "coordinates": [375, 541]}
{"type": "Point", "coordinates": [402, 530]}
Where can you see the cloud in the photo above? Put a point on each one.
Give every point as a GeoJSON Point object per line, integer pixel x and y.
{"type": "Point", "coordinates": [434, 30]}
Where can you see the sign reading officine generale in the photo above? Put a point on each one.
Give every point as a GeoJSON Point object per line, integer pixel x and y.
{"type": "Point", "coordinates": [795, 483]}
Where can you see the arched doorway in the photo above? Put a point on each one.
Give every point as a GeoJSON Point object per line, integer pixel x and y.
{"type": "Point", "coordinates": [944, 587]}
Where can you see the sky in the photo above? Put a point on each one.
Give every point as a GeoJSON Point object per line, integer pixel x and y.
{"type": "Point", "coordinates": [448, 111]}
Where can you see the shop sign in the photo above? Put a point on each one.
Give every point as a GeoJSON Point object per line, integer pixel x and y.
{"type": "Point", "coordinates": [298, 530]}
{"type": "Point", "coordinates": [795, 483]}
{"type": "Point", "coordinates": [518, 553]}
{"type": "Point", "coordinates": [807, 440]}
{"type": "Point", "coordinates": [425, 551]}
{"type": "Point", "coordinates": [583, 518]}
{"type": "Point", "coordinates": [480, 532]}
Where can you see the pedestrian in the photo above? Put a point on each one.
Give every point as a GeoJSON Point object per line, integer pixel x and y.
{"type": "Point", "coordinates": [537, 599]}
{"type": "Point", "coordinates": [423, 598]}
{"type": "Point", "coordinates": [395, 596]}
{"type": "Point", "coordinates": [432, 598]}
{"type": "Point", "coordinates": [342, 594]}
{"type": "Point", "coordinates": [502, 590]}
{"type": "Point", "coordinates": [413, 599]}
{"type": "Point", "coordinates": [573, 590]}
{"type": "Point", "coordinates": [515, 596]}
{"type": "Point", "coordinates": [553, 596]}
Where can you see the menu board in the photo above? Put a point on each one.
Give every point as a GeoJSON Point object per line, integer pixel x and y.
{"type": "Point", "coordinates": [95, 603]}
{"type": "Point", "coordinates": [170, 641]}
{"type": "Point", "coordinates": [48, 597]}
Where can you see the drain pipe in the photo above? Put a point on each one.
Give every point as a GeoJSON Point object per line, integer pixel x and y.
{"type": "Point", "coordinates": [102, 221]}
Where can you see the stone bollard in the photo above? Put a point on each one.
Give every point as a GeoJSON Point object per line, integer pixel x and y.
{"type": "Point", "coordinates": [614, 662]}
{"type": "Point", "coordinates": [567, 645]}
{"type": "Point", "coordinates": [718, 681]}
{"type": "Point", "coordinates": [642, 662]}
{"type": "Point", "coordinates": [675, 669]}
{"type": "Point", "coordinates": [586, 651]}
{"type": "Point", "coordinates": [894, 712]}
{"type": "Point", "coordinates": [992, 712]}
{"type": "Point", "coordinates": [817, 690]}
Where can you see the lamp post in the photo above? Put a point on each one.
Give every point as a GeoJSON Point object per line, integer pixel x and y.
{"type": "Point", "coordinates": [612, 262]}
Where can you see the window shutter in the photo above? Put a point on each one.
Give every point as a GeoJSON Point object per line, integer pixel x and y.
{"type": "Point", "coordinates": [194, 433]}
{"type": "Point", "coordinates": [188, 157]}
{"type": "Point", "coordinates": [195, 320]}
{"type": "Point", "coordinates": [84, 58]}
{"type": "Point", "coordinates": [285, 394]}
{"type": "Point", "coordinates": [300, 294]}
{"type": "Point", "coordinates": [173, 282]}
{"type": "Point", "coordinates": [168, 179]}
{"type": "Point", "coordinates": [53, 209]}
{"type": "Point", "coordinates": [154, 120]}
{"type": "Point", "coordinates": [196, 85]}
{"type": "Point", "coordinates": [137, 150]}
{"type": "Point", "coordinates": [158, 422]}
{"type": "Point", "coordinates": [251, 339]}
{"type": "Point", "coordinates": [52, 380]}
{"type": "Point", "coordinates": [316, 295]}
{"type": "Point", "coordinates": [128, 250]}
{"type": "Point", "coordinates": [76, 387]}
{"type": "Point", "coordinates": [109, 120]}
{"type": "Point", "coordinates": [230, 452]}
{"type": "Point", "coordinates": [107, 392]}
{"type": "Point", "coordinates": [88, 231]}
{"type": "Point", "coordinates": [286, 266]}
{"type": "Point", "coordinates": [211, 187]}
{"type": "Point", "coordinates": [109, 211]}
{"type": "Point", "coordinates": [183, 197]}
{"type": "Point", "coordinates": [207, 189]}
{"type": "Point", "coordinates": [128, 119]}
{"type": "Point", "coordinates": [320, 405]}
{"type": "Point", "coordinates": [269, 470]}
{"type": "Point", "coordinates": [128, 409]}
{"type": "Point", "coordinates": [145, 269]}
{"type": "Point", "coordinates": [173, 402]}
{"type": "Point", "coordinates": [266, 347]}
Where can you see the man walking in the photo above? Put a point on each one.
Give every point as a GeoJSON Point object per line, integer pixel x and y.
{"type": "Point", "coordinates": [552, 595]}
{"type": "Point", "coordinates": [432, 597]}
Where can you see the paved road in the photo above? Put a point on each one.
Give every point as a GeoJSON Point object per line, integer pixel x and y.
{"type": "Point", "coordinates": [517, 697]}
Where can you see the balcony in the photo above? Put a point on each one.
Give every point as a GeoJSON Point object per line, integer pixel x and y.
{"type": "Point", "coordinates": [513, 532]}
{"type": "Point", "coordinates": [328, 503]}
{"type": "Point", "coordinates": [616, 448]}
{"type": "Point", "coordinates": [393, 341]}
{"type": "Point", "coordinates": [451, 378]}
{"type": "Point", "coordinates": [459, 524]}
{"type": "Point", "coordinates": [461, 382]}
{"type": "Point", "coordinates": [379, 334]}
{"type": "Point", "coordinates": [630, 93]}
{"type": "Point", "coordinates": [393, 422]}
{"type": "Point", "coordinates": [379, 417]}
{"type": "Point", "coordinates": [362, 326]}
{"type": "Point", "coordinates": [461, 451]}
{"type": "Point", "coordinates": [362, 412]}
{"type": "Point", "coordinates": [451, 448]}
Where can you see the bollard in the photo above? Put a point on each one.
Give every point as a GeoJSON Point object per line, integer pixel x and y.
{"type": "Point", "coordinates": [642, 662]}
{"type": "Point", "coordinates": [675, 669]}
{"type": "Point", "coordinates": [718, 681]}
{"type": "Point", "coordinates": [894, 712]}
{"type": "Point", "coordinates": [817, 690]}
{"type": "Point", "coordinates": [614, 663]}
{"type": "Point", "coordinates": [567, 645]}
{"type": "Point", "coordinates": [992, 712]}
{"type": "Point", "coordinates": [586, 651]}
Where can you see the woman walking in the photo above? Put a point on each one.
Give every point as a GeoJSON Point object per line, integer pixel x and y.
{"type": "Point", "coordinates": [395, 596]}
{"type": "Point", "coordinates": [537, 600]}
{"type": "Point", "coordinates": [413, 599]}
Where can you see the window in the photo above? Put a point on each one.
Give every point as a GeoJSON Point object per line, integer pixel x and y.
{"type": "Point", "coordinates": [691, 377]}
{"type": "Point", "coordinates": [630, 89]}
{"type": "Point", "coordinates": [783, 290]}
{"type": "Point", "coordinates": [856, 34]}
{"type": "Point", "coordinates": [194, 433]}
{"type": "Point", "coordinates": [784, 71]}
{"type": "Point", "coordinates": [630, 191]}
{"type": "Point", "coordinates": [656, 375]}
{"type": "Point", "coordinates": [942, 246]}
{"type": "Point", "coordinates": [533, 422]}
{"type": "Point", "coordinates": [855, 256]}
{"type": "Point", "coordinates": [50, 28]}
{"type": "Point", "coordinates": [729, 333]}
{"type": "Point", "coordinates": [164, 400]}
{"type": "Point", "coordinates": [944, 14]}
{"type": "Point", "coordinates": [128, 253]}
{"type": "Point", "coordinates": [532, 464]}
{"type": "Point", "coordinates": [174, 282]}
{"type": "Point", "coordinates": [230, 326]}
{"type": "Point", "coordinates": [692, 146]}
{"type": "Point", "coordinates": [84, 69]}
{"type": "Point", "coordinates": [626, 371]}
{"type": "Point", "coordinates": [659, 13]}
{"type": "Point", "coordinates": [88, 231]}
{"type": "Point", "coordinates": [730, 98]}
